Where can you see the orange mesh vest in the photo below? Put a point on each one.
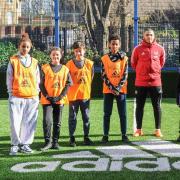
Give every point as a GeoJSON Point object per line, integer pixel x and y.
{"type": "Point", "coordinates": [82, 79]}
{"type": "Point", "coordinates": [54, 83]}
{"type": "Point", "coordinates": [114, 72]}
{"type": "Point", "coordinates": [25, 81]}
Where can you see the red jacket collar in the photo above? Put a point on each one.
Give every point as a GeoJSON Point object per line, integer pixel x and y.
{"type": "Point", "coordinates": [144, 43]}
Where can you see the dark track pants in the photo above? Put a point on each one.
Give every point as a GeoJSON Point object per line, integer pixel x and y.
{"type": "Point", "coordinates": [108, 105]}
{"type": "Point", "coordinates": [73, 111]}
{"type": "Point", "coordinates": [52, 113]}
{"type": "Point", "coordinates": [156, 96]}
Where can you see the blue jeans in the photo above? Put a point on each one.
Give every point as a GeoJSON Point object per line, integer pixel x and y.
{"type": "Point", "coordinates": [73, 111]}
{"type": "Point", "coordinates": [121, 105]}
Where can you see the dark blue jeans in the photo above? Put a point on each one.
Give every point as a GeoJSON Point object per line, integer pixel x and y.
{"type": "Point", "coordinates": [73, 111]}
{"type": "Point", "coordinates": [121, 105]}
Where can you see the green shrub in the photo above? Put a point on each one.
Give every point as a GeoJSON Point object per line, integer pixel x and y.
{"type": "Point", "coordinates": [42, 57]}
{"type": "Point", "coordinates": [6, 50]}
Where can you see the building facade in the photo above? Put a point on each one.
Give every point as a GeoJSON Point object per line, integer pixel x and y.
{"type": "Point", "coordinates": [10, 11]}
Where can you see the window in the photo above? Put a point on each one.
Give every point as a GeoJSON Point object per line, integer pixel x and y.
{"type": "Point", "coordinates": [9, 1]}
{"type": "Point", "coordinates": [9, 18]}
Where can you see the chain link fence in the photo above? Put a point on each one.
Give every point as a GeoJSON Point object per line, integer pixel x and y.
{"type": "Point", "coordinates": [37, 19]}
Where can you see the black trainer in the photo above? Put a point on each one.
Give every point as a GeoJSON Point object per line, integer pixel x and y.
{"type": "Point", "coordinates": [125, 138]}
{"type": "Point", "coordinates": [46, 146]}
{"type": "Point", "coordinates": [87, 141]}
{"type": "Point", "coordinates": [105, 139]}
{"type": "Point", "coordinates": [72, 141]}
{"type": "Point", "coordinates": [178, 139]}
{"type": "Point", "coordinates": [55, 145]}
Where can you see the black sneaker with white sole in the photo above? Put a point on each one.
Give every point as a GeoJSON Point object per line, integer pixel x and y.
{"type": "Point", "coordinates": [87, 141]}
{"type": "Point", "coordinates": [55, 145]}
{"type": "Point", "coordinates": [125, 139]}
{"type": "Point", "coordinates": [47, 145]}
{"type": "Point", "coordinates": [105, 139]}
{"type": "Point", "coordinates": [72, 141]}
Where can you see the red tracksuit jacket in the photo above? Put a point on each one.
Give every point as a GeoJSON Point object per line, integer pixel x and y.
{"type": "Point", "coordinates": [147, 61]}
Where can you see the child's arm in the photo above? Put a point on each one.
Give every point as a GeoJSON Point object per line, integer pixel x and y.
{"type": "Point", "coordinates": [68, 84]}
{"type": "Point", "coordinates": [92, 72]}
{"type": "Point", "coordinates": [9, 78]}
{"type": "Point", "coordinates": [38, 77]}
{"type": "Point", "coordinates": [41, 85]}
{"type": "Point", "coordinates": [124, 77]}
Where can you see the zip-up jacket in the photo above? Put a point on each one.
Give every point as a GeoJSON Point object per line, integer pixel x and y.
{"type": "Point", "coordinates": [147, 61]}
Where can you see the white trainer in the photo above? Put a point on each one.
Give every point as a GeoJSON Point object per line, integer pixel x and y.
{"type": "Point", "coordinates": [26, 149]}
{"type": "Point", "coordinates": [14, 150]}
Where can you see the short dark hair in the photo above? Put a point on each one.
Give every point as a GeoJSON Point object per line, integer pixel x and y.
{"type": "Point", "coordinates": [78, 44]}
{"type": "Point", "coordinates": [114, 37]}
{"type": "Point", "coordinates": [148, 29]}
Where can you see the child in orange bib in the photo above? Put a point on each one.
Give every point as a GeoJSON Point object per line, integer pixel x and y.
{"type": "Point", "coordinates": [114, 75]}
{"type": "Point", "coordinates": [55, 81]}
{"type": "Point", "coordinates": [23, 88]}
{"type": "Point", "coordinates": [81, 70]}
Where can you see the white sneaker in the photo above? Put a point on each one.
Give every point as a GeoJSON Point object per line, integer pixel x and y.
{"type": "Point", "coordinates": [14, 150]}
{"type": "Point", "coordinates": [26, 149]}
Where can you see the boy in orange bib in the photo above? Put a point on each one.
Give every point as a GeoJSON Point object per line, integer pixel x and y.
{"type": "Point", "coordinates": [81, 70]}
{"type": "Point", "coordinates": [55, 81]}
{"type": "Point", "coordinates": [114, 74]}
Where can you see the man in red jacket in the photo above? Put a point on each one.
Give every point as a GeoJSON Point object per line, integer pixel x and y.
{"type": "Point", "coordinates": [147, 60]}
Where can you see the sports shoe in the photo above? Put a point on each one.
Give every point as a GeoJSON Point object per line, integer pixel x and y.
{"type": "Point", "coordinates": [14, 150]}
{"type": "Point", "coordinates": [26, 149]}
{"type": "Point", "coordinates": [72, 141]}
{"type": "Point", "coordinates": [138, 132]}
{"type": "Point", "coordinates": [158, 133]}
{"type": "Point", "coordinates": [125, 139]}
{"type": "Point", "coordinates": [55, 145]}
{"type": "Point", "coordinates": [87, 141]}
{"type": "Point", "coordinates": [105, 139]}
{"type": "Point", "coordinates": [46, 146]}
{"type": "Point", "coordinates": [178, 139]}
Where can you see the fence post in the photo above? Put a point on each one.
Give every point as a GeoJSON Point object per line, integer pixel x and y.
{"type": "Point", "coordinates": [65, 40]}
{"type": "Point", "coordinates": [135, 23]}
{"type": "Point", "coordinates": [56, 18]}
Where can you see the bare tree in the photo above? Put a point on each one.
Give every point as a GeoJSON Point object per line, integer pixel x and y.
{"type": "Point", "coordinates": [96, 19]}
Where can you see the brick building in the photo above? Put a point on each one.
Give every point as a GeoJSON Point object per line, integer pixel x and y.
{"type": "Point", "coordinates": [10, 11]}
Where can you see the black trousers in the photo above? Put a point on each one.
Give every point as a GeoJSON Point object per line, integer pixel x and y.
{"type": "Point", "coordinates": [52, 114]}
{"type": "Point", "coordinates": [108, 106]}
{"type": "Point", "coordinates": [73, 111]}
{"type": "Point", "coordinates": [156, 96]}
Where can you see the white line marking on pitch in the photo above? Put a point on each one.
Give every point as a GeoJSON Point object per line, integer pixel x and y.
{"type": "Point", "coordinates": [162, 147]}
{"type": "Point", "coordinates": [124, 151]}
{"type": "Point", "coordinates": [80, 154]}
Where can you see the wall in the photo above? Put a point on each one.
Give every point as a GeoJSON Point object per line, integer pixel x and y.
{"type": "Point", "coordinates": [169, 80]}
